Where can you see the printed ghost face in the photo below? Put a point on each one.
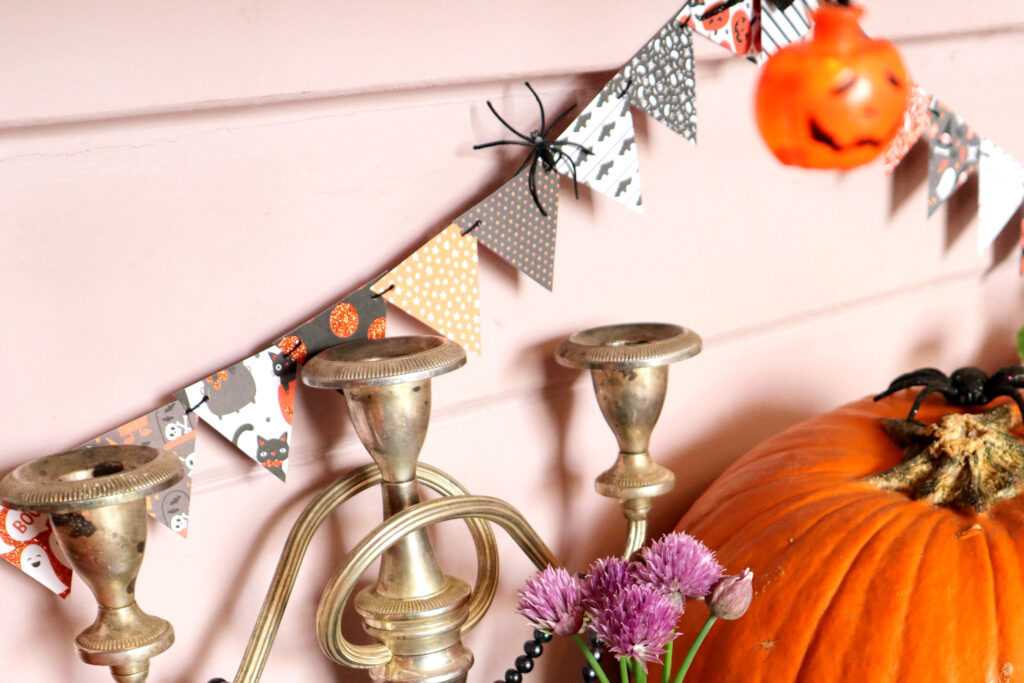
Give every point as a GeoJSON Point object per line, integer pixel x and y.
{"type": "Point", "coordinates": [179, 523]}
{"type": "Point", "coordinates": [35, 562]}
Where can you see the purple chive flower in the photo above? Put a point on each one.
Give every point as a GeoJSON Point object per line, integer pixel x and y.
{"type": "Point", "coordinates": [679, 566]}
{"type": "Point", "coordinates": [730, 597]}
{"type": "Point", "coordinates": [605, 578]}
{"type": "Point", "coordinates": [639, 622]}
{"type": "Point", "coordinates": [552, 600]}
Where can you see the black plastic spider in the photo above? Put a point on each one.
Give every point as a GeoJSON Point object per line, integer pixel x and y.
{"type": "Point", "coordinates": [968, 386]}
{"type": "Point", "coordinates": [547, 151]}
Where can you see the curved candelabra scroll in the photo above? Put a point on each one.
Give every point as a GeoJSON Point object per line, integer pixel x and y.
{"type": "Point", "coordinates": [361, 479]}
{"type": "Point", "coordinates": [414, 518]}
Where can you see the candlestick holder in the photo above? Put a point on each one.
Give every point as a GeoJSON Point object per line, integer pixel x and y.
{"type": "Point", "coordinates": [95, 499]}
{"type": "Point", "coordinates": [629, 368]}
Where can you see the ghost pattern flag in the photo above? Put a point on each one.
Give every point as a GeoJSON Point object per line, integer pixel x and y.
{"type": "Point", "coordinates": [360, 315]}
{"type": "Point", "coordinates": [609, 161]}
{"type": "Point", "coordinates": [25, 542]}
{"type": "Point", "coordinates": [954, 149]}
{"type": "Point", "coordinates": [736, 27]}
{"type": "Point", "coordinates": [510, 223]}
{"type": "Point", "coordinates": [250, 404]}
{"type": "Point", "coordinates": [440, 286]}
{"type": "Point", "coordinates": [169, 428]}
{"type": "Point", "coordinates": [1000, 192]}
{"type": "Point", "coordinates": [659, 79]}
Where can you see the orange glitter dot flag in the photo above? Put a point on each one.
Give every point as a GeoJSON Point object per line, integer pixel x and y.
{"type": "Point", "coordinates": [439, 285]}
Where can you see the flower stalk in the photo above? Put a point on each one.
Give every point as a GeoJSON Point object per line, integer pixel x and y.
{"type": "Point", "coordinates": [591, 660]}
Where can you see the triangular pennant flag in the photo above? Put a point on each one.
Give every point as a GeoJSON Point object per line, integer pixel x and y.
{"type": "Point", "coordinates": [609, 164]}
{"type": "Point", "coordinates": [360, 315]}
{"type": "Point", "coordinates": [440, 286]}
{"type": "Point", "coordinates": [26, 542]}
{"type": "Point", "coordinates": [170, 428]}
{"type": "Point", "coordinates": [659, 79]}
{"type": "Point", "coordinates": [736, 27]}
{"type": "Point", "coordinates": [250, 404]}
{"type": "Point", "coordinates": [510, 223]}
{"type": "Point", "coordinates": [915, 123]}
{"type": "Point", "coordinates": [784, 23]}
{"type": "Point", "coordinates": [1000, 192]}
{"type": "Point", "coordinates": [953, 154]}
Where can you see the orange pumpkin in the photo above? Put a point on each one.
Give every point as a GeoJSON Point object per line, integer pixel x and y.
{"type": "Point", "coordinates": [853, 583]}
{"type": "Point", "coordinates": [835, 101]}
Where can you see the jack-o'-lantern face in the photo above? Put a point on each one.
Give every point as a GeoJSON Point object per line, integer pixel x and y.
{"type": "Point", "coordinates": [835, 101]}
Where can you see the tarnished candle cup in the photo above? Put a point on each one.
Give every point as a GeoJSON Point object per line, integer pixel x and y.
{"type": "Point", "coordinates": [629, 367]}
{"type": "Point", "coordinates": [414, 609]}
{"type": "Point", "coordinates": [95, 499]}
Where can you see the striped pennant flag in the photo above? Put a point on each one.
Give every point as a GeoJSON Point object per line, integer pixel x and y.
{"type": "Point", "coordinates": [781, 26]}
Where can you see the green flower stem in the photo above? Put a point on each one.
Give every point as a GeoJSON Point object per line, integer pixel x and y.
{"type": "Point", "coordinates": [666, 671]}
{"type": "Point", "coordinates": [638, 672]}
{"type": "Point", "coordinates": [693, 649]}
{"type": "Point", "coordinates": [624, 669]}
{"type": "Point", "coordinates": [594, 664]}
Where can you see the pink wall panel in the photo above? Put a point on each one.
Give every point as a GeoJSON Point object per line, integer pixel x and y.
{"type": "Point", "coordinates": [148, 237]}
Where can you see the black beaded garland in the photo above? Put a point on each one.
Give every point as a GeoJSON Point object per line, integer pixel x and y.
{"type": "Point", "coordinates": [524, 663]}
{"type": "Point", "coordinates": [513, 676]}
{"type": "Point", "coordinates": [533, 649]}
{"type": "Point", "coordinates": [595, 649]}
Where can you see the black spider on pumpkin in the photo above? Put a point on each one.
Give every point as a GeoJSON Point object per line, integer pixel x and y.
{"type": "Point", "coordinates": [543, 150]}
{"type": "Point", "coordinates": [968, 386]}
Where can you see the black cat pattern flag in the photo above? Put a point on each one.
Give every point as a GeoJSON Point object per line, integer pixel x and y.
{"type": "Point", "coordinates": [251, 405]}
{"type": "Point", "coordinates": [510, 223]}
{"type": "Point", "coordinates": [609, 164]}
{"type": "Point", "coordinates": [26, 541]}
{"type": "Point", "coordinates": [170, 428]}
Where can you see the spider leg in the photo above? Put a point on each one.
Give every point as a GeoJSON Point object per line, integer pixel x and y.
{"type": "Point", "coordinates": [504, 122]}
{"type": "Point", "coordinates": [539, 104]}
{"type": "Point", "coordinates": [529, 158]}
{"type": "Point", "coordinates": [502, 142]}
{"type": "Point", "coordinates": [572, 166]}
{"type": "Point", "coordinates": [1011, 374]}
{"type": "Point", "coordinates": [924, 376]}
{"type": "Point", "coordinates": [560, 143]}
{"type": "Point", "coordinates": [557, 119]}
{"type": "Point", "coordinates": [533, 186]}
{"type": "Point", "coordinates": [929, 389]}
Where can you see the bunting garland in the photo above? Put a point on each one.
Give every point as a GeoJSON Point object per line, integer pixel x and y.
{"type": "Point", "coordinates": [251, 402]}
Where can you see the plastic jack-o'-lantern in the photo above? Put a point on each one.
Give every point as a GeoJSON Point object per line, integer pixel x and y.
{"type": "Point", "coordinates": [835, 101]}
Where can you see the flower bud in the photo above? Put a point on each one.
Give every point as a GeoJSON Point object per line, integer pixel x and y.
{"type": "Point", "coordinates": [730, 597]}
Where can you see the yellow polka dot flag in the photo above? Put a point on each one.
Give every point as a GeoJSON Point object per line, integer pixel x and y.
{"type": "Point", "coordinates": [440, 286]}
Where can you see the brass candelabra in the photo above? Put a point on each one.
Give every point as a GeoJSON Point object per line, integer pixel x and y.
{"type": "Point", "coordinates": [414, 611]}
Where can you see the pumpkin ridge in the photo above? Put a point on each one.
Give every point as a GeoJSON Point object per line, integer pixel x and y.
{"type": "Point", "coordinates": [724, 501]}
{"type": "Point", "coordinates": [1006, 573]}
{"type": "Point", "coordinates": [992, 617]}
{"type": "Point", "coordinates": [914, 582]}
{"type": "Point", "coordinates": [887, 511]}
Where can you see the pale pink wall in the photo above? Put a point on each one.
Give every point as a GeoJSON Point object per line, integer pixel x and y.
{"type": "Point", "coordinates": [179, 185]}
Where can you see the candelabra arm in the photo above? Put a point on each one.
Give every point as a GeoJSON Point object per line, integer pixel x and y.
{"type": "Point", "coordinates": [410, 520]}
{"type": "Point", "coordinates": [255, 658]}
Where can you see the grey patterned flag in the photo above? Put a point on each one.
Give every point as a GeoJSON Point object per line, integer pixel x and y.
{"type": "Point", "coordinates": [509, 223]}
{"type": "Point", "coordinates": [659, 78]}
{"type": "Point", "coordinates": [608, 163]}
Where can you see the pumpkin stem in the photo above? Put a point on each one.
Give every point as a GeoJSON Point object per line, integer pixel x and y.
{"type": "Point", "coordinates": [964, 461]}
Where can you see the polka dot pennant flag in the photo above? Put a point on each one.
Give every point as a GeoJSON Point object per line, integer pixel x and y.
{"type": "Point", "coordinates": [440, 286]}
{"type": "Point", "coordinates": [510, 223]}
{"type": "Point", "coordinates": [360, 315]}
